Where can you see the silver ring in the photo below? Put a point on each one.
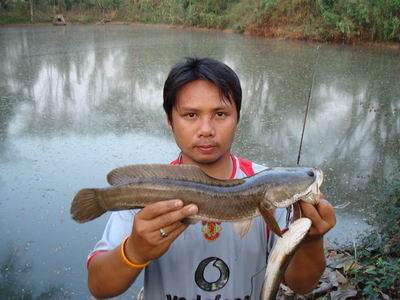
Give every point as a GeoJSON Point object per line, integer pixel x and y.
{"type": "Point", "coordinates": [163, 233]}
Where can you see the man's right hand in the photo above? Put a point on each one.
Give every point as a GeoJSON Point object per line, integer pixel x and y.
{"type": "Point", "coordinates": [146, 242]}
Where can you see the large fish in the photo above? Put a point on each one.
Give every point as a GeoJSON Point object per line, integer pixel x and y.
{"type": "Point", "coordinates": [237, 200]}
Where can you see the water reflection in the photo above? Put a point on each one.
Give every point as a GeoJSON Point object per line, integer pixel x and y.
{"type": "Point", "coordinates": [78, 101]}
{"type": "Point", "coordinates": [364, 128]}
{"type": "Point", "coordinates": [14, 283]}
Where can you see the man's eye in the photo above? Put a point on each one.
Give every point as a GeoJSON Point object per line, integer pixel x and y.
{"type": "Point", "coordinates": [221, 114]}
{"type": "Point", "coordinates": [190, 115]}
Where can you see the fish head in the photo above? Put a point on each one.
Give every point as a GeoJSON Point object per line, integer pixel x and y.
{"type": "Point", "coordinates": [285, 186]}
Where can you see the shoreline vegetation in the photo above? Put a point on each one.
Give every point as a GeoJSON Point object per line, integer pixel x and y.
{"type": "Point", "coordinates": [368, 268]}
{"type": "Point", "coordinates": [340, 21]}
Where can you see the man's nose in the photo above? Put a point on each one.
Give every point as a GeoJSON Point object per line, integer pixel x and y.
{"type": "Point", "coordinates": [206, 128]}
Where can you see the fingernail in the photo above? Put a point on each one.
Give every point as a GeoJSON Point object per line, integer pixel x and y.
{"type": "Point", "coordinates": [178, 203]}
{"type": "Point", "coordinates": [192, 209]}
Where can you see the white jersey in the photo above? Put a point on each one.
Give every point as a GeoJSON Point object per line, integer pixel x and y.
{"type": "Point", "coordinates": [208, 260]}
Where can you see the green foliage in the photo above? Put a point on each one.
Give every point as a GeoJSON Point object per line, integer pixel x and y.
{"type": "Point", "coordinates": [380, 252]}
{"type": "Point", "coordinates": [319, 19]}
{"type": "Point", "coordinates": [218, 14]}
{"type": "Point", "coordinates": [356, 19]}
{"type": "Point", "coordinates": [379, 19]}
{"type": "Point", "coordinates": [13, 19]}
{"type": "Point", "coordinates": [83, 19]}
{"type": "Point", "coordinates": [346, 28]}
{"type": "Point", "coordinates": [381, 275]}
{"type": "Point", "coordinates": [13, 12]}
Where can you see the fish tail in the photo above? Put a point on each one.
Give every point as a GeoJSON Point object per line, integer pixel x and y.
{"type": "Point", "coordinates": [85, 206]}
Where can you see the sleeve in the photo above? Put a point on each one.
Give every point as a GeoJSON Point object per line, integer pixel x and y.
{"type": "Point", "coordinates": [119, 226]}
{"type": "Point", "coordinates": [258, 168]}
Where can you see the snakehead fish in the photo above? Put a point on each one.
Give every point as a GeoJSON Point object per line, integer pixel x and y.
{"type": "Point", "coordinates": [237, 200]}
{"type": "Point", "coordinates": [281, 255]}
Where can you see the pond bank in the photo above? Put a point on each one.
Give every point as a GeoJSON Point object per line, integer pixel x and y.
{"type": "Point", "coordinates": [277, 33]}
{"type": "Point", "coordinates": [368, 269]}
{"type": "Point", "coordinates": [335, 21]}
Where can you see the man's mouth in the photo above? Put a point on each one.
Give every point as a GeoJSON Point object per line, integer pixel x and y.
{"type": "Point", "coordinates": [206, 149]}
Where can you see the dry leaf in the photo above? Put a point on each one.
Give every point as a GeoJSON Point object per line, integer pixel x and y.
{"type": "Point", "coordinates": [384, 296]}
{"type": "Point", "coordinates": [342, 280]}
{"type": "Point", "coordinates": [343, 295]}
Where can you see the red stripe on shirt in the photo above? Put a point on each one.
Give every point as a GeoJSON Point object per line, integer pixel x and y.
{"type": "Point", "coordinates": [233, 174]}
{"type": "Point", "coordinates": [93, 254]}
{"type": "Point", "coordinates": [246, 166]}
{"type": "Point", "coordinates": [175, 162]}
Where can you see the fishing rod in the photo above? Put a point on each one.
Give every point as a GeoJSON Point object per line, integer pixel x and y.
{"type": "Point", "coordinates": [289, 216]}
{"type": "Point", "coordinates": [308, 107]}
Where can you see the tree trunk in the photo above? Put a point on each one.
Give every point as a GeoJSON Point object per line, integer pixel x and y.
{"type": "Point", "coordinates": [61, 6]}
{"type": "Point", "coordinates": [31, 5]}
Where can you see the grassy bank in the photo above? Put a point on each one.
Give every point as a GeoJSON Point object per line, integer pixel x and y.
{"type": "Point", "coordinates": [322, 20]}
{"type": "Point", "coordinates": [378, 274]}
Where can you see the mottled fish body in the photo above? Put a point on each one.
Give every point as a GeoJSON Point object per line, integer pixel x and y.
{"type": "Point", "coordinates": [236, 200]}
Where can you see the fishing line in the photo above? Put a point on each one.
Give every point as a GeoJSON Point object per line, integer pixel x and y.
{"type": "Point", "coordinates": [308, 106]}
{"type": "Point", "coordinates": [252, 278]}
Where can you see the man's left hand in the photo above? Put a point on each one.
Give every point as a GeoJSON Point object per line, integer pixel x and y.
{"type": "Point", "coordinates": [310, 258]}
{"type": "Point", "coordinates": [321, 215]}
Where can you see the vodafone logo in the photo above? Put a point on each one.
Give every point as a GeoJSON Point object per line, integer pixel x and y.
{"type": "Point", "coordinates": [203, 268]}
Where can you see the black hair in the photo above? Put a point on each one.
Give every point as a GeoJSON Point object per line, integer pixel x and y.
{"type": "Point", "coordinates": [206, 68]}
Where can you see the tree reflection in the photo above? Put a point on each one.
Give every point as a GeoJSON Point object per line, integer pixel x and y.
{"type": "Point", "coordinates": [110, 80]}
{"type": "Point", "coordinates": [353, 126]}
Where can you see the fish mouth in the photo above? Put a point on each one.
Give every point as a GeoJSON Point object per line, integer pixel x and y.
{"type": "Point", "coordinates": [310, 195]}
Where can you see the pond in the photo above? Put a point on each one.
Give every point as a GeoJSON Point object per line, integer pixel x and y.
{"type": "Point", "coordinates": [78, 101]}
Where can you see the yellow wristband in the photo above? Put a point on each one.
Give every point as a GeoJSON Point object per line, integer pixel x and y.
{"type": "Point", "coordinates": [126, 259]}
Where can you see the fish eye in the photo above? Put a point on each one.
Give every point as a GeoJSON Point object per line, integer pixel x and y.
{"type": "Point", "coordinates": [310, 173]}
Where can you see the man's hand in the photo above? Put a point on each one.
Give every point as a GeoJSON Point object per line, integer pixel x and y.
{"type": "Point", "coordinates": [146, 242]}
{"type": "Point", "coordinates": [308, 263]}
{"type": "Point", "coordinates": [321, 215]}
{"type": "Point", "coordinates": [109, 275]}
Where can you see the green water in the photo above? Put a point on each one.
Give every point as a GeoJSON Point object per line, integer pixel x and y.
{"type": "Point", "coordinates": [77, 101]}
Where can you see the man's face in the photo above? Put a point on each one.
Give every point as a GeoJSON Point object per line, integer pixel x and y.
{"type": "Point", "coordinates": [204, 126]}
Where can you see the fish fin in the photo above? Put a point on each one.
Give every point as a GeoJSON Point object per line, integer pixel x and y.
{"type": "Point", "coordinates": [133, 173]}
{"type": "Point", "coordinates": [270, 220]}
{"type": "Point", "coordinates": [85, 206]}
{"type": "Point", "coordinates": [242, 227]}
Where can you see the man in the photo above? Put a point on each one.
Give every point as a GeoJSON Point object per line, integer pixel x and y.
{"type": "Point", "coordinates": [202, 100]}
